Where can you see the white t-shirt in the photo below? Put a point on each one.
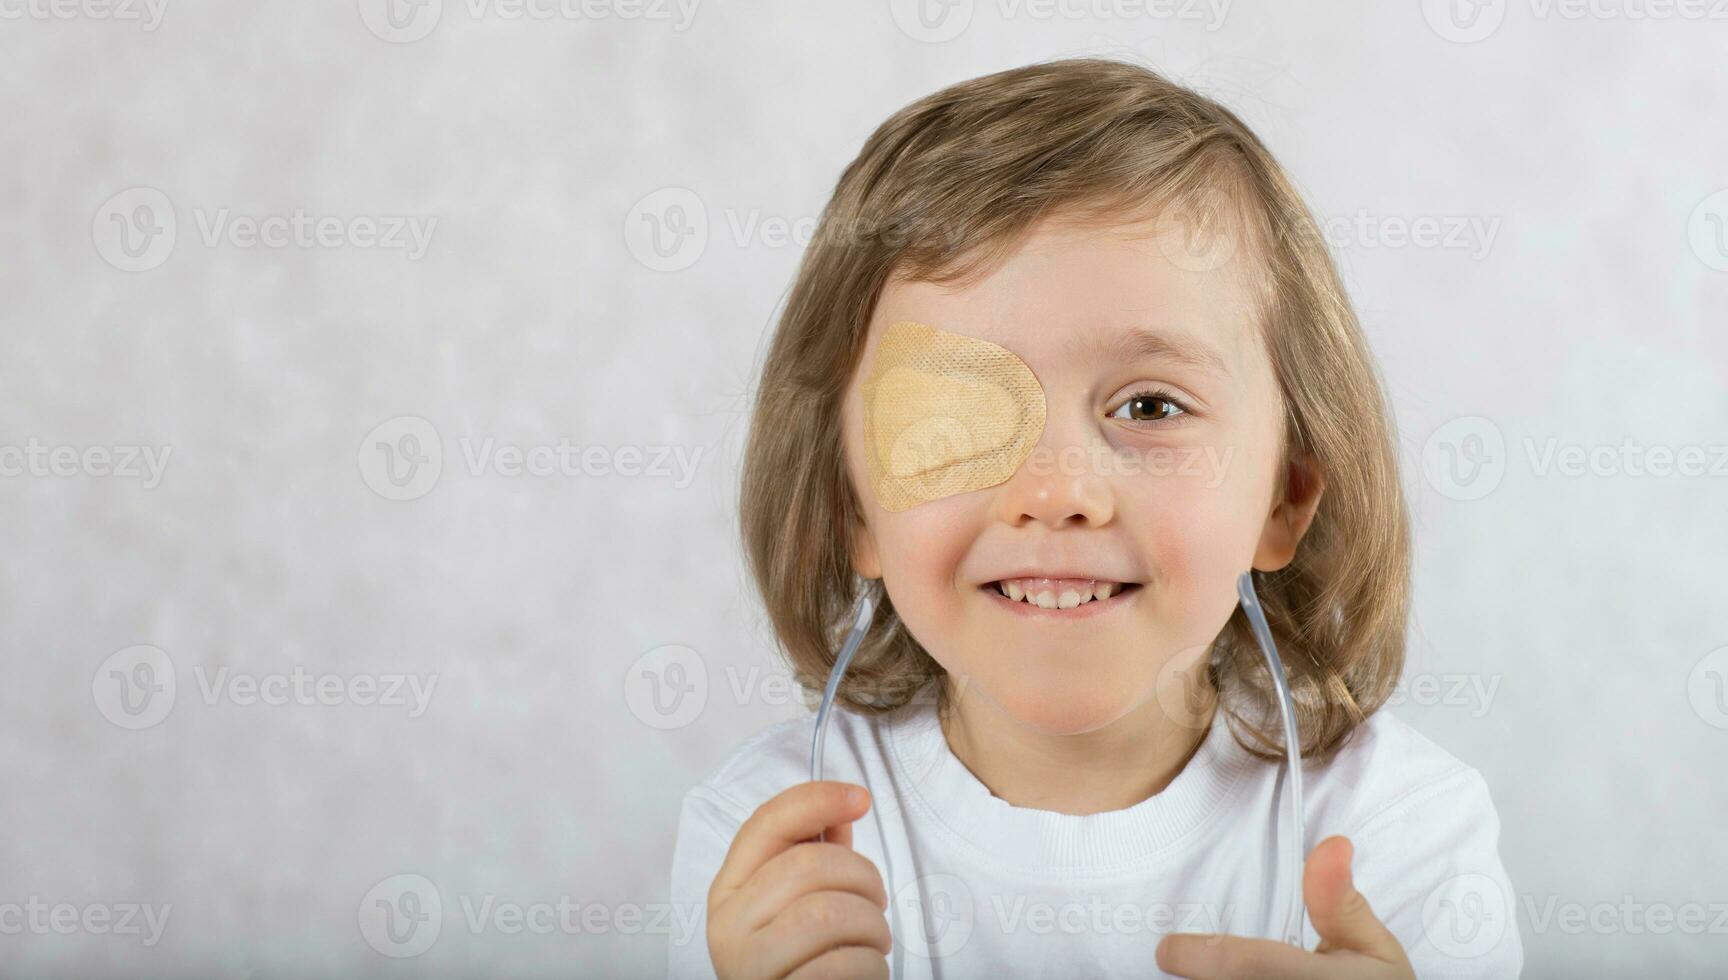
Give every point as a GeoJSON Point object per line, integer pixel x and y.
{"type": "Point", "coordinates": [981, 888]}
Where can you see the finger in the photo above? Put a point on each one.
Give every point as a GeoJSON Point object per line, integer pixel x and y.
{"type": "Point", "coordinates": [805, 868]}
{"type": "Point", "coordinates": [793, 817]}
{"type": "Point", "coordinates": [1201, 956]}
{"type": "Point", "coordinates": [846, 962]}
{"type": "Point", "coordinates": [837, 834]}
{"type": "Point", "coordinates": [1340, 913]}
{"type": "Point", "coordinates": [813, 925]}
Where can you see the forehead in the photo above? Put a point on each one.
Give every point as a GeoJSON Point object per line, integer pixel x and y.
{"type": "Point", "coordinates": [1072, 289]}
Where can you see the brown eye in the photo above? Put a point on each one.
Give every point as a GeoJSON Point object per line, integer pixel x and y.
{"type": "Point", "coordinates": [1148, 407]}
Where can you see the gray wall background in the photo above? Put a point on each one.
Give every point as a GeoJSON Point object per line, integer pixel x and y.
{"type": "Point", "coordinates": [1559, 287]}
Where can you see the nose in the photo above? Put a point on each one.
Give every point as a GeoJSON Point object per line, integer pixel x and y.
{"type": "Point", "coordinates": [1060, 486]}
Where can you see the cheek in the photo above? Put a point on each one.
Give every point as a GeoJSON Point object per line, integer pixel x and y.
{"type": "Point", "coordinates": [1197, 538]}
{"type": "Point", "coordinates": [921, 550]}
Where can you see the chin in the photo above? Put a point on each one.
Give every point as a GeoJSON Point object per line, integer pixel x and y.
{"type": "Point", "coordinates": [1072, 704]}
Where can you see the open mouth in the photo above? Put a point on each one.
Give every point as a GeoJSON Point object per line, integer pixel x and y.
{"type": "Point", "coordinates": [1060, 593]}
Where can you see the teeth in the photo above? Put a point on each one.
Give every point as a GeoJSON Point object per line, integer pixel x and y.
{"type": "Point", "coordinates": [1056, 593]}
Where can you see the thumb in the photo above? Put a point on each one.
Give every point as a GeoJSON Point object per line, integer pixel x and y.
{"type": "Point", "coordinates": [1340, 913]}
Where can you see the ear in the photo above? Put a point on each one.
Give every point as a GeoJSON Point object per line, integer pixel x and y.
{"type": "Point", "coordinates": [865, 559]}
{"type": "Point", "coordinates": [1291, 516]}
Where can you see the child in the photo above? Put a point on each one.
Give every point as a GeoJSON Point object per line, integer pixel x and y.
{"type": "Point", "coordinates": [1066, 356]}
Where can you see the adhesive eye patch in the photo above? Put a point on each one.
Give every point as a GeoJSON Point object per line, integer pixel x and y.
{"type": "Point", "coordinates": [945, 414]}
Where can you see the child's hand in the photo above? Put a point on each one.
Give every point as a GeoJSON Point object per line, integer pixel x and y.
{"type": "Point", "coordinates": [1353, 943]}
{"type": "Point", "coordinates": [784, 905]}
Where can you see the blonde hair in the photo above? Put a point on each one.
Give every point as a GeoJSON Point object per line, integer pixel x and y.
{"type": "Point", "coordinates": [946, 187]}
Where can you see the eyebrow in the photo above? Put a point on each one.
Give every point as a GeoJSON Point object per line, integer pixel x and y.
{"type": "Point", "coordinates": [1148, 344]}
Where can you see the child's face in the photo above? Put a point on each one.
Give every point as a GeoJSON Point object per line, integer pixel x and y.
{"type": "Point", "coordinates": [1170, 496]}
